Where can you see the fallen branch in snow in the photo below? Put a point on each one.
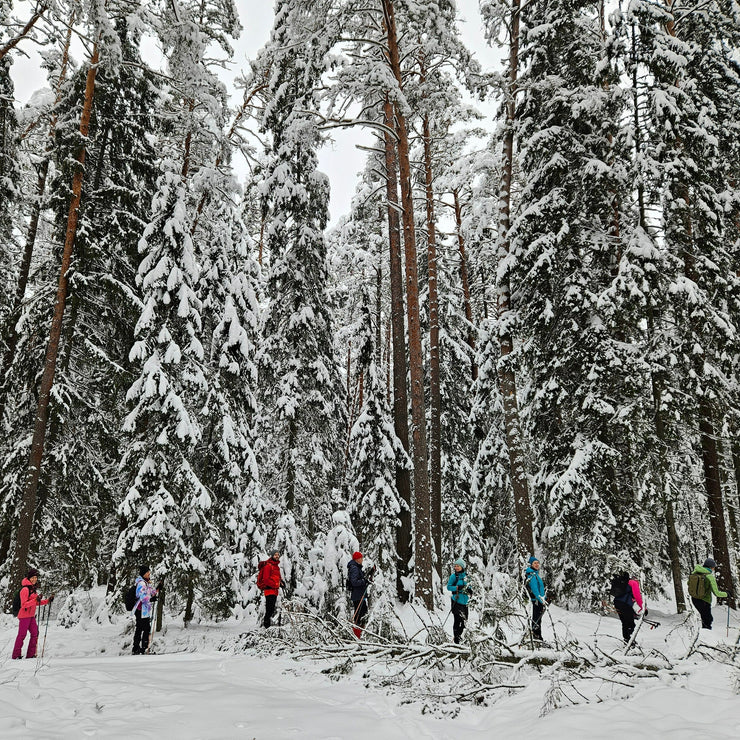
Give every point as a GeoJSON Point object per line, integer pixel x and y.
{"type": "Point", "coordinates": [482, 669]}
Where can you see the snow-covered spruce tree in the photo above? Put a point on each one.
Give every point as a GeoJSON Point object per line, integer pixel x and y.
{"type": "Point", "coordinates": [167, 507]}
{"type": "Point", "coordinates": [486, 534]}
{"type": "Point", "coordinates": [211, 463]}
{"type": "Point", "coordinates": [95, 372]}
{"type": "Point", "coordinates": [300, 392]}
{"type": "Point", "coordinates": [503, 19]}
{"type": "Point", "coordinates": [340, 544]}
{"type": "Point", "coordinates": [691, 92]}
{"type": "Point", "coordinates": [376, 452]}
{"type": "Point", "coordinates": [105, 42]}
{"type": "Point", "coordinates": [564, 239]}
{"type": "Point", "coordinates": [225, 459]}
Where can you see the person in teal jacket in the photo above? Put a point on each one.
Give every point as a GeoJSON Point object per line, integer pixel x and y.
{"type": "Point", "coordinates": [536, 589]}
{"type": "Point", "coordinates": [458, 585]}
{"type": "Point", "coordinates": [704, 604]}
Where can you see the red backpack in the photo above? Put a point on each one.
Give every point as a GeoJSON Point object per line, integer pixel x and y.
{"type": "Point", "coordinates": [261, 585]}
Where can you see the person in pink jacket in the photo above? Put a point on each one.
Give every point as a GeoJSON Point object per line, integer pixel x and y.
{"type": "Point", "coordinates": [30, 600]}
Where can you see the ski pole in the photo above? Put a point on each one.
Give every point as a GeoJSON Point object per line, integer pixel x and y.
{"type": "Point", "coordinates": [728, 619]}
{"type": "Point", "coordinates": [46, 629]}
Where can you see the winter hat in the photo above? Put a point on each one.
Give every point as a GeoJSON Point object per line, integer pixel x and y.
{"type": "Point", "coordinates": [709, 563]}
{"type": "Point", "coordinates": [356, 555]}
{"type": "Point", "coordinates": [32, 572]}
{"type": "Point", "coordinates": [460, 562]}
{"type": "Point", "coordinates": [534, 559]}
{"type": "Point", "coordinates": [275, 552]}
{"type": "Point", "coordinates": [143, 570]}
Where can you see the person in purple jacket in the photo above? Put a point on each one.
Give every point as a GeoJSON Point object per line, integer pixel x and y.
{"type": "Point", "coordinates": [146, 595]}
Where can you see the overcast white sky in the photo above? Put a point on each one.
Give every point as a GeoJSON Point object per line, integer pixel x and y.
{"type": "Point", "coordinates": [340, 160]}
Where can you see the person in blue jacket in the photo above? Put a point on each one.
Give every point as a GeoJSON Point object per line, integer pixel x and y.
{"type": "Point", "coordinates": [458, 585]}
{"type": "Point", "coordinates": [536, 590]}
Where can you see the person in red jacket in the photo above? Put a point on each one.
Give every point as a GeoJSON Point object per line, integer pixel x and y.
{"type": "Point", "coordinates": [268, 581]}
{"type": "Point", "coordinates": [27, 615]}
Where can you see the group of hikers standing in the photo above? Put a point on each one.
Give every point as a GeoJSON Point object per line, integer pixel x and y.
{"type": "Point", "coordinates": [628, 600]}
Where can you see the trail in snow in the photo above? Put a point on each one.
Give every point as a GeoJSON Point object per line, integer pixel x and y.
{"type": "Point", "coordinates": [86, 688]}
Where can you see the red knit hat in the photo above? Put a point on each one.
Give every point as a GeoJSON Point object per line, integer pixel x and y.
{"type": "Point", "coordinates": [356, 555]}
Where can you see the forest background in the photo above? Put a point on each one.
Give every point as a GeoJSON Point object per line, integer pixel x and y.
{"type": "Point", "coordinates": [522, 336]}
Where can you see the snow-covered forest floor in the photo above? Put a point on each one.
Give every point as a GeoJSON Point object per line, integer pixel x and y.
{"type": "Point", "coordinates": [305, 679]}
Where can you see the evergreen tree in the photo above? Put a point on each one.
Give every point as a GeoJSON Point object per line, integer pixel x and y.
{"type": "Point", "coordinates": [564, 237]}
{"type": "Point", "coordinates": [300, 391]}
{"type": "Point", "coordinates": [376, 451]}
{"type": "Point", "coordinates": [167, 506]}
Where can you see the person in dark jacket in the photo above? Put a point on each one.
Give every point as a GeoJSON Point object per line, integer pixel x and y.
{"type": "Point", "coordinates": [268, 581]}
{"type": "Point", "coordinates": [457, 583]}
{"type": "Point", "coordinates": [536, 590]}
{"type": "Point", "coordinates": [358, 584]}
{"type": "Point", "coordinates": [628, 602]}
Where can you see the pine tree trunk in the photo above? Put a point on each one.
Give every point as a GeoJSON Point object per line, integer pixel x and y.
{"type": "Point", "coordinates": [674, 551]}
{"type": "Point", "coordinates": [189, 601]}
{"type": "Point", "coordinates": [398, 335]}
{"type": "Point", "coordinates": [709, 453]}
{"type": "Point", "coordinates": [710, 461]}
{"type": "Point", "coordinates": [467, 304]}
{"type": "Point", "coordinates": [422, 506]}
{"type": "Point", "coordinates": [507, 379]}
{"type": "Point", "coordinates": [11, 340]}
{"type": "Point", "coordinates": [435, 391]}
{"type": "Point", "coordinates": [160, 607]}
{"type": "Point", "coordinates": [379, 313]}
{"type": "Point", "coordinates": [28, 504]}
{"type": "Point", "coordinates": [733, 538]}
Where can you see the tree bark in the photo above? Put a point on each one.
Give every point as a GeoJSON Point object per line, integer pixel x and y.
{"type": "Point", "coordinates": [710, 461]}
{"type": "Point", "coordinates": [28, 504]}
{"type": "Point", "coordinates": [435, 390]}
{"type": "Point", "coordinates": [467, 304]}
{"type": "Point", "coordinates": [189, 601]}
{"type": "Point", "coordinates": [507, 378]}
{"type": "Point", "coordinates": [161, 593]}
{"type": "Point", "coordinates": [709, 453]}
{"type": "Point", "coordinates": [11, 340]}
{"type": "Point", "coordinates": [422, 510]}
{"type": "Point", "coordinates": [674, 550]}
{"type": "Point", "coordinates": [398, 335]}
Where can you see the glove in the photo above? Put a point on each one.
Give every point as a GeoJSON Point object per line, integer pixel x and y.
{"type": "Point", "coordinates": [51, 598]}
{"type": "Point", "coordinates": [153, 599]}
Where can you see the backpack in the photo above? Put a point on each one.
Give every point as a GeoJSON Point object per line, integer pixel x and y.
{"type": "Point", "coordinates": [261, 585]}
{"type": "Point", "coordinates": [129, 599]}
{"type": "Point", "coordinates": [622, 592]}
{"type": "Point", "coordinates": [697, 585]}
{"type": "Point", "coordinates": [17, 602]}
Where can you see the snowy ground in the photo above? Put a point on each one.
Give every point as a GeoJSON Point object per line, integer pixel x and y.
{"type": "Point", "coordinates": [86, 687]}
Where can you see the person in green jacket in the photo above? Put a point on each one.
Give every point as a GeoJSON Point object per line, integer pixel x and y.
{"type": "Point", "coordinates": [703, 603]}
